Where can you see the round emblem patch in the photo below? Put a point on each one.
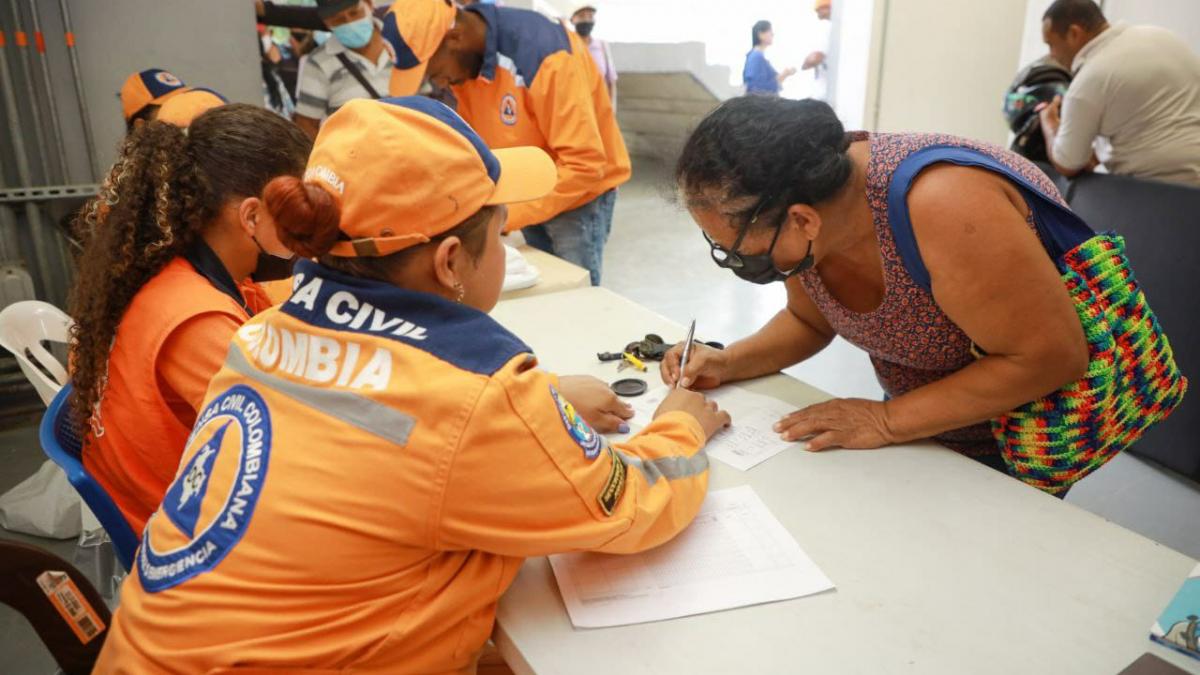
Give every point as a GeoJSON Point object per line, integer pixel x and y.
{"type": "Point", "coordinates": [168, 79]}
{"type": "Point", "coordinates": [580, 432]}
{"type": "Point", "coordinates": [208, 507]}
{"type": "Point", "coordinates": [508, 109]}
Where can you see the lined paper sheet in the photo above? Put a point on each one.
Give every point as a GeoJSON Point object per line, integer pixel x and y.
{"type": "Point", "coordinates": [734, 554]}
{"type": "Point", "coordinates": [749, 441]}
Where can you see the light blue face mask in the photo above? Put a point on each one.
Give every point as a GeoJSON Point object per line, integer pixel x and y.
{"type": "Point", "coordinates": [355, 34]}
{"type": "Point", "coordinates": [320, 36]}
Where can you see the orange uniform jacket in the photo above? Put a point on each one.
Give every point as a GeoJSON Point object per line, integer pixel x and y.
{"type": "Point", "coordinates": [539, 86]}
{"type": "Point", "coordinates": [370, 470]}
{"type": "Point", "coordinates": [147, 413]}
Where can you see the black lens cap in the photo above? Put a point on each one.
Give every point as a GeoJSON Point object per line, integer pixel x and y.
{"type": "Point", "coordinates": [630, 387]}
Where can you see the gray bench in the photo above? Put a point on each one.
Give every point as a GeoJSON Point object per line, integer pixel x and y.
{"type": "Point", "coordinates": [1161, 226]}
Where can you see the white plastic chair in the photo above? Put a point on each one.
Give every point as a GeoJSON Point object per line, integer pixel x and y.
{"type": "Point", "coordinates": [24, 326]}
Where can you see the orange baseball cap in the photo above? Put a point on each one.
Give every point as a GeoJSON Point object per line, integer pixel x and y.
{"type": "Point", "coordinates": [405, 170]}
{"type": "Point", "coordinates": [415, 29]}
{"type": "Point", "coordinates": [182, 109]}
{"type": "Point", "coordinates": [149, 87]}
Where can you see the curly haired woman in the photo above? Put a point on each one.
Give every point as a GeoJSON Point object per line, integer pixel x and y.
{"type": "Point", "coordinates": [163, 284]}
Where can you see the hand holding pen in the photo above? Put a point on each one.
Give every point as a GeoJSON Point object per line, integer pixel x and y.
{"type": "Point", "coordinates": [706, 367]}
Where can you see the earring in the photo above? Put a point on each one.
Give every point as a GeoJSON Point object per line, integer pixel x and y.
{"type": "Point", "coordinates": [460, 292]}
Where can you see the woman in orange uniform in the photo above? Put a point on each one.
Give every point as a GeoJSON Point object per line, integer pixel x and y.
{"type": "Point", "coordinates": [169, 245]}
{"type": "Point", "coordinates": [378, 456]}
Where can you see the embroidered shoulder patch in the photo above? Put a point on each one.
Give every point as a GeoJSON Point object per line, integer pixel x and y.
{"type": "Point", "coordinates": [615, 487]}
{"type": "Point", "coordinates": [214, 494]}
{"type": "Point", "coordinates": [580, 432]}
{"type": "Point", "coordinates": [508, 110]}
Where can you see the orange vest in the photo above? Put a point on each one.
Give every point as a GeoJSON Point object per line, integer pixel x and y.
{"type": "Point", "coordinates": [540, 86]}
{"type": "Point", "coordinates": [371, 467]}
{"type": "Point", "coordinates": [137, 454]}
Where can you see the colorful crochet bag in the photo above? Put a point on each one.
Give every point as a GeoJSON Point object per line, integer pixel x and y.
{"type": "Point", "coordinates": [1132, 381]}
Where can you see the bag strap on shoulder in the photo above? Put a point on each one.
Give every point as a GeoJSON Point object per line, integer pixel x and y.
{"type": "Point", "coordinates": [1060, 229]}
{"type": "Point", "coordinates": [357, 73]}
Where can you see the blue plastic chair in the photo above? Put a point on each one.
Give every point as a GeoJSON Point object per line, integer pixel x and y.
{"type": "Point", "coordinates": [62, 444]}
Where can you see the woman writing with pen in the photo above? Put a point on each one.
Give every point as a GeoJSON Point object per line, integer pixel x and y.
{"type": "Point", "coordinates": [945, 260]}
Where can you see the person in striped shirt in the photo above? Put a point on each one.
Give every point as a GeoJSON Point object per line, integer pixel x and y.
{"type": "Point", "coordinates": [355, 62]}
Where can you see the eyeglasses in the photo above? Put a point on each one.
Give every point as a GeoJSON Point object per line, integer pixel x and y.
{"type": "Point", "coordinates": [758, 268]}
{"type": "Point", "coordinates": [731, 258]}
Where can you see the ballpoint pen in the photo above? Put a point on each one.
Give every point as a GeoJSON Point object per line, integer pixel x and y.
{"type": "Point", "coordinates": [687, 351]}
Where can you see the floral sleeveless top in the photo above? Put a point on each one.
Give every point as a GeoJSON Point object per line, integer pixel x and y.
{"type": "Point", "coordinates": [910, 340]}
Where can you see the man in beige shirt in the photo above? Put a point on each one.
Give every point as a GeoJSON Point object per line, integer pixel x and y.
{"type": "Point", "coordinates": [1135, 87]}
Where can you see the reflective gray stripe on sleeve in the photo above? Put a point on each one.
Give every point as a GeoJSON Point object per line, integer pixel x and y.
{"type": "Point", "coordinates": [370, 416]}
{"type": "Point", "coordinates": [670, 468]}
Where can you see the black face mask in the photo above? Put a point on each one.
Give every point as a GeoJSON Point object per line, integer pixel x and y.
{"type": "Point", "coordinates": [584, 28]}
{"type": "Point", "coordinates": [760, 268]}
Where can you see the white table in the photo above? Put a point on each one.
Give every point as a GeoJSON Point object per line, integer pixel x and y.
{"type": "Point", "coordinates": [941, 565]}
{"type": "Point", "coordinates": [556, 275]}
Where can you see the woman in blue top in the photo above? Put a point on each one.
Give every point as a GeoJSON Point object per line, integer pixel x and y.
{"type": "Point", "coordinates": [759, 76]}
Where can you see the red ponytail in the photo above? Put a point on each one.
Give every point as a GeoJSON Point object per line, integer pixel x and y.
{"type": "Point", "coordinates": [306, 216]}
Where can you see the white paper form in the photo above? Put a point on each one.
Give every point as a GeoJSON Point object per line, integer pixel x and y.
{"type": "Point", "coordinates": [749, 441]}
{"type": "Point", "coordinates": [734, 554]}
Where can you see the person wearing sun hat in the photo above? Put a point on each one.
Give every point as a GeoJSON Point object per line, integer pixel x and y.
{"type": "Point", "coordinates": [523, 79]}
{"type": "Point", "coordinates": [144, 92]}
{"type": "Point", "coordinates": [378, 456]}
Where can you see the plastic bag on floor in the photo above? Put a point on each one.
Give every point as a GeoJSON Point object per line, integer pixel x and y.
{"type": "Point", "coordinates": [44, 505]}
{"type": "Point", "coordinates": [97, 560]}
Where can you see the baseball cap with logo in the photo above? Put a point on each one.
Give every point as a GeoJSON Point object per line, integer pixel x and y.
{"type": "Point", "coordinates": [405, 170]}
{"type": "Point", "coordinates": [149, 87]}
{"type": "Point", "coordinates": [328, 8]}
{"type": "Point", "coordinates": [415, 29]}
{"type": "Point", "coordinates": [182, 109]}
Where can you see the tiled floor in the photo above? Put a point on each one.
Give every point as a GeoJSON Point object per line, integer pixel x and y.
{"type": "Point", "coordinates": [658, 258]}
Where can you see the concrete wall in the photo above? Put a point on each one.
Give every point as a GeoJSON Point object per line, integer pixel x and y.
{"type": "Point", "coordinates": [663, 92]}
{"type": "Point", "coordinates": [209, 43]}
{"type": "Point", "coordinates": [855, 53]}
{"type": "Point", "coordinates": [1182, 17]}
{"type": "Point", "coordinates": [1032, 46]}
{"type": "Point", "coordinates": [681, 57]}
{"type": "Point", "coordinates": [944, 66]}
{"type": "Point", "coordinates": [657, 111]}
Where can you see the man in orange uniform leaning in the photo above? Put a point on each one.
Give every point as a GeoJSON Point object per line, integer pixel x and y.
{"type": "Point", "coordinates": [522, 79]}
{"type": "Point", "coordinates": [377, 456]}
